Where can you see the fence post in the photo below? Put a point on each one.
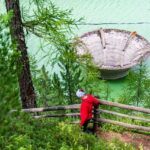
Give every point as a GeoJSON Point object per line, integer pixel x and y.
{"type": "Point", "coordinates": [95, 117]}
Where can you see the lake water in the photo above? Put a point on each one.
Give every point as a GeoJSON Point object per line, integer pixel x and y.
{"type": "Point", "coordinates": [132, 15]}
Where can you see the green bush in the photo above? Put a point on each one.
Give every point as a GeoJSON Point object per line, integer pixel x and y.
{"type": "Point", "coordinates": [20, 132]}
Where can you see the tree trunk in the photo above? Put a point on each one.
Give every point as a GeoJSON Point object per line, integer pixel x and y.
{"type": "Point", "coordinates": [27, 93]}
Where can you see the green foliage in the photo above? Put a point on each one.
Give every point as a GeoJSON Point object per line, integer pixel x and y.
{"type": "Point", "coordinates": [8, 71]}
{"type": "Point", "coordinates": [48, 88]}
{"type": "Point", "coordinates": [75, 72]}
{"type": "Point", "coordinates": [49, 22]}
{"type": "Point", "coordinates": [19, 131]}
{"type": "Point", "coordinates": [138, 88]}
{"type": "Point", "coordinates": [70, 72]}
{"type": "Point", "coordinates": [120, 129]}
{"type": "Point", "coordinates": [136, 92]}
{"type": "Point", "coordinates": [55, 27]}
{"type": "Point", "coordinates": [90, 73]}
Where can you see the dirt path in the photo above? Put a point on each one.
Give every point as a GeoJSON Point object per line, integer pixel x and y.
{"type": "Point", "coordinates": [135, 139]}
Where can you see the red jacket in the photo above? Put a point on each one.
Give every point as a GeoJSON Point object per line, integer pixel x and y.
{"type": "Point", "coordinates": [88, 101]}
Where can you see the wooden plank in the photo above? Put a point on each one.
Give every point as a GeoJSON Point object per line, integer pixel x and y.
{"type": "Point", "coordinates": [131, 36]}
{"type": "Point", "coordinates": [102, 38]}
{"type": "Point", "coordinates": [56, 115]}
{"type": "Point", "coordinates": [75, 122]}
{"type": "Point", "coordinates": [77, 106]}
{"type": "Point", "coordinates": [123, 115]}
{"type": "Point", "coordinates": [52, 108]}
{"type": "Point", "coordinates": [129, 107]}
{"type": "Point", "coordinates": [124, 124]}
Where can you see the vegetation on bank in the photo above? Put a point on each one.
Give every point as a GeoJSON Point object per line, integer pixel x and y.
{"type": "Point", "coordinates": [19, 130]}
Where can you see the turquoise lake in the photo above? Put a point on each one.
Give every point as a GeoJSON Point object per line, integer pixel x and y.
{"type": "Point", "coordinates": [131, 15]}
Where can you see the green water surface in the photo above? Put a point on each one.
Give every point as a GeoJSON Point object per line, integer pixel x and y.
{"type": "Point", "coordinates": [132, 15]}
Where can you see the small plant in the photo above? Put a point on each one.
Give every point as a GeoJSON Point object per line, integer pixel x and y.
{"type": "Point", "coordinates": [138, 87]}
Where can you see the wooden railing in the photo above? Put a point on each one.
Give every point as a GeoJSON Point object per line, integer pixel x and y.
{"type": "Point", "coordinates": [96, 114]}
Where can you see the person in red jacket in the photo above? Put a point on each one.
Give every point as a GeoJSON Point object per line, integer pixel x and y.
{"type": "Point", "coordinates": [88, 101]}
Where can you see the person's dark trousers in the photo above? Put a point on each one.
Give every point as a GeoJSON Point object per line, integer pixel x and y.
{"type": "Point", "coordinates": [85, 125]}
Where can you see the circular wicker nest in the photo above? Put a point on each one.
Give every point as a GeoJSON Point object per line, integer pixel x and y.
{"type": "Point", "coordinates": [114, 51]}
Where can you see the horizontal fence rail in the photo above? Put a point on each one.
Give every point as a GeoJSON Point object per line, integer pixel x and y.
{"type": "Point", "coordinates": [122, 115]}
{"type": "Point", "coordinates": [96, 114]}
{"type": "Point", "coordinates": [77, 106]}
{"type": "Point", "coordinates": [57, 115]}
{"type": "Point", "coordinates": [139, 109]}
{"type": "Point", "coordinates": [52, 108]}
{"type": "Point", "coordinates": [130, 126]}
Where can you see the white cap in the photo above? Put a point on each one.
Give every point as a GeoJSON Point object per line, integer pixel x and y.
{"type": "Point", "coordinates": [80, 93]}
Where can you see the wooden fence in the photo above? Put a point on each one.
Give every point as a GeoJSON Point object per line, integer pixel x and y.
{"type": "Point", "coordinates": [96, 114]}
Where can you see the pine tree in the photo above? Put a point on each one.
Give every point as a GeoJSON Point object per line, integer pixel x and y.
{"type": "Point", "coordinates": [138, 87]}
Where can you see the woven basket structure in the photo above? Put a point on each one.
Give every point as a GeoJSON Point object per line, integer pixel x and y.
{"type": "Point", "coordinates": [114, 51]}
